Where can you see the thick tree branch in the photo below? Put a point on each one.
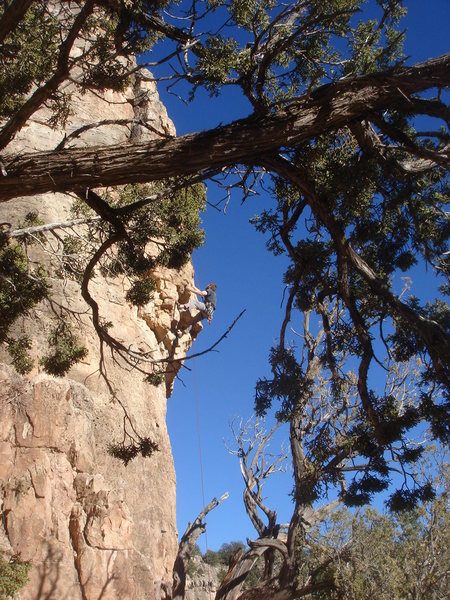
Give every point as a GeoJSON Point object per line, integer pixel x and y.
{"type": "Point", "coordinates": [12, 16]}
{"type": "Point", "coordinates": [330, 107]}
{"type": "Point", "coordinates": [440, 157]}
{"type": "Point", "coordinates": [270, 543]}
{"type": "Point", "coordinates": [372, 146]}
{"type": "Point", "coordinates": [231, 586]}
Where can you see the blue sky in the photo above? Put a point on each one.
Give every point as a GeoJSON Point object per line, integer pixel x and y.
{"type": "Point", "coordinates": [247, 276]}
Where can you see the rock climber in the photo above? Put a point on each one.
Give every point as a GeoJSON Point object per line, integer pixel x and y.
{"type": "Point", "coordinates": [207, 307]}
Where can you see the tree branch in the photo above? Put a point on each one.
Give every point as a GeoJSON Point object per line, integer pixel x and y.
{"type": "Point", "coordinates": [20, 117]}
{"type": "Point", "coordinates": [12, 16]}
{"type": "Point", "coordinates": [329, 107]}
{"type": "Point", "coordinates": [435, 338]}
{"type": "Point", "coordinates": [371, 145]}
{"type": "Point", "coordinates": [18, 233]}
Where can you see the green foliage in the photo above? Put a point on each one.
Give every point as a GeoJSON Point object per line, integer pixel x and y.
{"type": "Point", "coordinates": [170, 225]}
{"type": "Point", "coordinates": [141, 291]}
{"type": "Point", "coordinates": [212, 558]}
{"type": "Point", "coordinates": [224, 555]}
{"type": "Point", "coordinates": [288, 385]}
{"type": "Point", "coordinates": [221, 574]}
{"type": "Point", "coordinates": [18, 350]}
{"type": "Point", "coordinates": [389, 557]}
{"type": "Point", "coordinates": [218, 58]}
{"type": "Point", "coordinates": [228, 550]}
{"type": "Point", "coordinates": [373, 48]}
{"type": "Point", "coordinates": [67, 350]}
{"type": "Point", "coordinates": [27, 57]}
{"type": "Point", "coordinates": [21, 287]}
{"type": "Point", "coordinates": [155, 378]}
{"type": "Point", "coordinates": [194, 569]}
{"type": "Point", "coordinates": [295, 53]}
{"type": "Point", "coordinates": [364, 554]}
{"type": "Point", "coordinates": [13, 575]}
{"type": "Point", "coordinates": [402, 500]}
{"type": "Point", "coordinates": [126, 452]}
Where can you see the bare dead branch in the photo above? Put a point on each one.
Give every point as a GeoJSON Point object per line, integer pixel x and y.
{"type": "Point", "coordinates": [19, 233]}
{"type": "Point", "coordinates": [252, 440]}
{"type": "Point", "coordinates": [195, 355]}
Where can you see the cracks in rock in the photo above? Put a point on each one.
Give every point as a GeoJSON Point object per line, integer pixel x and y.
{"type": "Point", "coordinates": [4, 523]}
{"type": "Point", "coordinates": [28, 427]}
{"type": "Point", "coordinates": [33, 485]}
{"type": "Point", "coordinates": [73, 536]}
{"type": "Point", "coordinates": [78, 538]}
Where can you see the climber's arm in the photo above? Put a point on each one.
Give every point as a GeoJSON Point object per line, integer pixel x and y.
{"type": "Point", "coordinates": [196, 290]}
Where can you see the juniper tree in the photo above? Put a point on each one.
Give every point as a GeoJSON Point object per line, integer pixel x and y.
{"type": "Point", "coordinates": [306, 90]}
{"type": "Point", "coordinates": [390, 555]}
{"type": "Point", "coordinates": [335, 463]}
{"type": "Point", "coordinates": [373, 220]}
{"type": "Point", "coordinates": [354, 137]}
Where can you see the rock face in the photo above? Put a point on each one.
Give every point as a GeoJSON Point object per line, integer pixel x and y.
{"type": "Point", "coordinates": [203, 580]}
{"type": "Point", "coordinates": [91, 527]}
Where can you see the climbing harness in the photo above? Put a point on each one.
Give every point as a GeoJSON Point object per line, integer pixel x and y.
{"type": "Point", "coordinates": [209, 311]}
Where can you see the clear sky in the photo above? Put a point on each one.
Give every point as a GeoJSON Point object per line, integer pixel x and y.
{"type": "Point", "coordinates": [247, 276]}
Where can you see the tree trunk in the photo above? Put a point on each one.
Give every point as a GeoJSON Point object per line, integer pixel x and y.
{"type": "Point", "coordinates": [186, 547]}
{"type": "Point", "coordinates": [231, 586]}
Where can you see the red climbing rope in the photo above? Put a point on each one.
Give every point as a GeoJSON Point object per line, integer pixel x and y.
{"type": "Point", "coordinates": [200, 452]}
{"type": "Point", "coordinates": [201, 466]}
{"type": "Point", "coordinates": [198, 432]}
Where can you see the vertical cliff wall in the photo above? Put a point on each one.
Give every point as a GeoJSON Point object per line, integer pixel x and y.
{"type": "Point", "coordinates": [91, 527]}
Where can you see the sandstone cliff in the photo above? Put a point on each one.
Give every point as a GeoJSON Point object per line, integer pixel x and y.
{"type": "Point", "coordinates": [91, 527]}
